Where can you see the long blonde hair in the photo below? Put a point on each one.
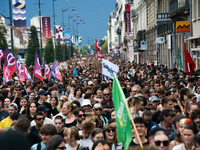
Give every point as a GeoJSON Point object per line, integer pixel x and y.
{"type": "Point", "coordinates": [63, 97]}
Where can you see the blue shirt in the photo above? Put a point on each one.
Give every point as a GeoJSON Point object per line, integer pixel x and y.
{"type": "Point", "coordinates": [34, 147]}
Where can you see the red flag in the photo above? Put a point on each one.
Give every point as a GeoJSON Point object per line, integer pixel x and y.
{"type": "Point", "coordinates": [189, 63]}
{"type": "Point", "coordinates": [10, 65]}
{"type": "Point", "coordinates": [20, 71]}
{"type": "Point", "coordinates": [47, 71]}
{"type": "Point", "coordinates": [99, 50]}
{"type": "Point", "coordinates": [37, 71]}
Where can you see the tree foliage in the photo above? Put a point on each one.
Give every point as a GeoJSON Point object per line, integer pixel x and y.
{"type": "Point", "coordinates": [33, 46]}
{"type": "Point", "coordinates": [104, 47]}
{"type": "Point", "coordinates": [49, 52]}
{"type": "Point", "coordinates": [3, 42]}
{"type": "Point", "coordinates": [85, 49]}
{"type": "Point", "coordinates": [59, 52]}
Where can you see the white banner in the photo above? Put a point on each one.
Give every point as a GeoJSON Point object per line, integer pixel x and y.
{"type": "Point", "coordinates": [108, 69]}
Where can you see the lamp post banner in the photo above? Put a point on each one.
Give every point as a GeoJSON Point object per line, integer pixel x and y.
{"type": "Point", "coordinates": [59, 34]}
{"type": "Point", "coordinates": [19, 13]}
{"type": "Point", "coordinates": [127, 18]}
{"type": "Point", "coordinates": [46, 27]}
{"type": "Point", "coordinates": [67, 37]}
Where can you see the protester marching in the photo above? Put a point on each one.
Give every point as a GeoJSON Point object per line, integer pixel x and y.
{"type": "Point", "coordinates": [98, 103]}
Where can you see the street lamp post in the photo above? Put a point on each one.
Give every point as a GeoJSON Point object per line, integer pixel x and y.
{"type": "Point", "coordinates": [54, 28]}
{"type": "Point", "coordinates": [63, 10]}
{"type": "Point", "coordinates": [40, 33]}
{"type": "Point", "coordinates": [69, 17]}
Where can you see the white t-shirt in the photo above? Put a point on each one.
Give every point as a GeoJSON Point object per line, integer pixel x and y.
{"type": "Point", "coordinates": [46, 121]}
{"type": "Point", "coordinates": [178, 147]}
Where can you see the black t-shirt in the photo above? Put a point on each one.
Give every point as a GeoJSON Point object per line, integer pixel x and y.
{"type": "Point", "coordinates": [33, 138]}
{"type": "Point", "coordinates": [54, 111]}
{"type": "Point", "coordinates": [16, 100]}
{"type": "Point", "coordinates": [70, 124]}
{"type": "Point", "coordinates": [155, 117]}
{"type": "Point", "coordinates": [34, 130]}
{"type": "Point", "coordinates": [134, 144]}
{"type": "Point", "coordinates": [3, 114]}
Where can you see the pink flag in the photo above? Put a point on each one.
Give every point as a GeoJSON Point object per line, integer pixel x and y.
{"type": "Point", "coordinates": [47, 71]}
{"type": "Point", "coordinates": [2, 54]}
{"type": "Point", "coordinates": [56, 72]}
{"type": "Point", "coordinates": [20, 71]}
{"type": "Point", "coordinates": [28, 76]}
{"type": "Point", "coordinates": [9, 65]}
{"type": "Point", "coordinates": [99, 50]}
{"type": "Point", "coordinates": [120, 50]}
{"type": "Point", "coordinates": [37, 71]}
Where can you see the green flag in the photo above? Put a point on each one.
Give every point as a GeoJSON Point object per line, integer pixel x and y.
{"type": "Point", "coordinates": [179, 59]}
{"type": "Point", "coordinates": [124, 133]}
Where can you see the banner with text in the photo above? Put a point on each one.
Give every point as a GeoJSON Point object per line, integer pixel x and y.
{"type": "Point", "coordinates": [108, 69]}
{"type": "Point", "coordinates": [59, 35]}
{"type": "Point", "coordinates": [46, 27]}
{"type": "Point", "coordinates": [127, 18]}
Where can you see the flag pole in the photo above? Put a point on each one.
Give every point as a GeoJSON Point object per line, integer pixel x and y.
{"type": "Point", "coordinates": [134, 127]}
{"type": "Point", "coordinates": [130, 116]}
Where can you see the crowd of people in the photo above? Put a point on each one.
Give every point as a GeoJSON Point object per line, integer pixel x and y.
{"type": "Point", "coordinates": [78, 112]}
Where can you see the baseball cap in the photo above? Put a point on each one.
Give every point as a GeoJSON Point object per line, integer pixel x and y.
{"type": "Point", "coordinates": [86, 102]}
{"type": "Point", "coordinates": [42, 108]}
{"type": "Point", "coordinates": [153, 98]}
{"type": "Point", "coordinates": [185, 121]}
{"type": "Point", "coordinates": [60, 87]}
{"type": "Point", "coordinates": [14, 105]}
{"type": "Point", "coordinates": [90, 83]}
{"type": "Point", "coordinates": [42, 92]}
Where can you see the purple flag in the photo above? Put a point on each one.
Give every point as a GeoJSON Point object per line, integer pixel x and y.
{"type": "Point", "coordinates": [37, 71]}
{"type": "Point", "coordinates": [20, 70]}
{"type": "Point", "coordinates": [56, 72]}
{"type": "Point", "coordinates": [28, 76]}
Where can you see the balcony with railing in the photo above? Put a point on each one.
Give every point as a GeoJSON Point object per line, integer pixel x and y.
{"type": "Point", "coordinates": [178, 7]}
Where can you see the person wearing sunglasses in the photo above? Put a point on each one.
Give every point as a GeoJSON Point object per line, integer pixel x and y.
{"type": "Point", "coordinates": [188, 134]}
{"type": "Point", "coordinates": [98, 110]}
{"type": "Point", "coordinates": [160, 141]}
{"type": "Point", "coordinates": [56, 142]}
{"type": "Point", "coordinates": [110, 136]}
{"type": "Point", "coordinates": [39, 120]}
{"type": "Point", "coordinates": [80, 115]}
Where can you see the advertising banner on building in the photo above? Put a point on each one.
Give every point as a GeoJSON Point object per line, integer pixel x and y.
{"type": "Point", "coordinates": [182, 26]}
{"type": "Point", "coordinates": [59, 35]}
{"type": "Point", "coordinates": [19, 13]}
{"type": "Point", "coordinates": [76, 40]}
{"type": "Point", "coordinates": [72, 39]}
{"type": "Point", "coordinates": [127, 18]}
{"type": "Point", "coordinates": [46, 27]}
{"type": "Point", "coordinates": [67, 37]}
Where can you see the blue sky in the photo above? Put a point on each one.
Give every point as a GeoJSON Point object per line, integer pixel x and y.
{"type": "Point", "coordinates": [95, 14]}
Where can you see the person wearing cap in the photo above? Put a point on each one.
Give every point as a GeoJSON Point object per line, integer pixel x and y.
{"type": "Point", "coordinates": [154, 101]}
{"type": "Point", "coordinates": [167, 115]}
{"type": "Point", "coordinates": [90, 83]}
{"type": "Point", "coordinates": [61, 91]}
{"type": "Point", "coordinates": [7, 122]}
{"type": "Point", "coordinates": [42, 94]}
{"type": "Point", "coordinates": [3, 113]}
{"type": "Point", "coordinates": [179, 137]}
{"type": "Point", "coordinates": [86, 105]}
{"type": "Point", "coordinates": [44, 110]}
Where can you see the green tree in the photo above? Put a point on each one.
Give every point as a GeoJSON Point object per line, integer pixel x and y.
{"type": "Point", "coordinates": [3, 42]}
{"type": "Point", "coordinates": [93, 47]}
{"type": "Point", "coordinates": [59, 52]}
{"type": "Point", "coordinates": [16, 51]}
{"type": "Point", "coordinates": [101, 42]}
{"type": "Point", "coordinates": [49, 52]}
{"type": "Point", "coordinates": [33, 46]}
{"type": "Point", "coordinates": [104, 47]}
{"type": "Point", "coordinates": [85, 49]}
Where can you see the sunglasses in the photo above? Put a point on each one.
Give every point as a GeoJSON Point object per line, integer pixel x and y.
{"type": "Point", "coordinates": [62, 148]}
{"type": "Point", "coordinates": [17, 89]}
{"type": "Point", "coordinates": [39, 119]}
{"type": "Point", "coordinates": [61, 100]}
{"type": "Point", "coordinates": [98, 109]}
{"type": "Point", "coordinates": [106, 94]}
{"type": "Point", "coordinates": [80, 116]}
{"type": "Point", "coordinates": [109, 130]}
{"type": "Point", "coordinates": [165, 143]}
